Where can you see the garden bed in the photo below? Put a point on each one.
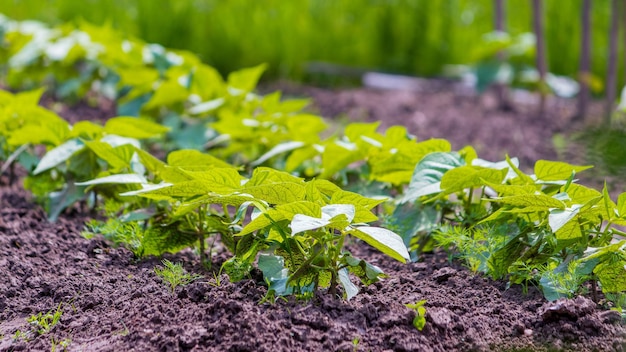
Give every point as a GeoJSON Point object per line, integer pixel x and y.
{"type": "Point", "coordinates": [110, 302]}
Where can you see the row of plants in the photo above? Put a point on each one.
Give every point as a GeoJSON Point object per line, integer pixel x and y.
{"type": "Point", "coordinates": [397, 36]}
{"type": "Point", "coordinates": [542, 228]}
{"type": "Point", "coordinates": [286, 194]}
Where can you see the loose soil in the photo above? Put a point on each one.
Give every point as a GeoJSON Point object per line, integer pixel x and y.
{"type": "Point", "coordinates": [111, 302]}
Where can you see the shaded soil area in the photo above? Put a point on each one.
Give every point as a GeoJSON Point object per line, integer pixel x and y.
{"type": "Point", "coordinates": [111, 302]}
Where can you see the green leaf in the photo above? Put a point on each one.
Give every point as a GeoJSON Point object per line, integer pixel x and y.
{"type": "Point", "coordinates": [118, 179]}
{"type": "Point", "coordinates": [151, 163]}
{"type": "Point", "coordinates": [580, 194]}
{"type": "Point", "coordinates": [384, 240]}
{"type": "Point", "coordinates": [464, 177]}
{"type": "Point", "coordinates": [325, 187]}
{"type": "Point", "coordinates": [522, 178]}
{"type": "Point", "coordinates": [168, 93]}
{"type": "Point", "coordinates": [193, 160]}
{"type": "Point", "coordinates": [621, 205]}
{"type": "Point", "coordinates": [277, 193]}
{"type": "Point", "coordinates": [345, 197]}
{"type": "Point", "coordinates": [559, 218]}
{"type": "Point", "coordinates": [428, 173]}
{"type": "Point", "coordinates": [350, 289]}
{"type": "Point", "coordinates": [299, 156]}
{"type": "Point", "coordinates": [246, 79]}
{"type": "Point", "coordinates": [302, 207]}
{"type": "Point", "coordinates": [361, 204]}
{"type": "Point", "coordinates": [266, 175]}
{"type": "Point", "coordinates": [505, 190]}
{"type": "Point", "coordinates": [167, 191]}
{"type": "Point", "coordinates": [277, 150]}
{"type": "Point", "coordinates": [117, 157]}
{"type": "Point", "coordinates": [219, 180]}
{"type": "Point", "coordinates": [337, 157]}
{"type": "Point", "coordinates": [134, 127]}
{"type": "Point", "coordinates": [62, 199]}
{"type": "Point", "coordinates": [556, 170]}
{"type": "Point", "coordinates": [612, 275]}
{"type": "Point", "coordinates": [58, 155]}
{"type": "Point", "coordinates": [263, 220]}
{"type": "Point", "coordinates": [302, 223]}
{"type": "Point", "coordinates": [275, 273]}
{"type": "Point", "coordinates": [532, 200]}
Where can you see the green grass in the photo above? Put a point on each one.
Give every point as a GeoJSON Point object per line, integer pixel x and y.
{"type": "Point", "coordinates": [408, 36]}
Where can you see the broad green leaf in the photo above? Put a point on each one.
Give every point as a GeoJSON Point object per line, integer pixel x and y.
{"type": "Point", "coordinates": [621, 205]}
{"type": "Point", "coordinates": [134, 127]}
{"type": "Point", "coordinates": [338, 157]}
{"type": "Point", "coordinates": [428, 173]}
{"type": "Point", "coordinates": [396, 165]}
{"type": "Point", "coordinates": [302, 207]}
{"type": "Point", "coordinates": [312, 194]}
{"type": "Point", "coordinates": [556, 170]}
{"type": "Point", "coordinates": [302, 223]}
{"type": "Point", "coordinates": [186, 189]}
{"type": "Point", "coordinates": [504, 190]}
{"type": "Point", "coordinates": [274, 273]}
{"type": "Point", "coordinates": [558, 218]}
{"type": "Point", "coordinates": [277, 193]}
{"type": "Point", "coordinates": [384, 240]}
{"type": "Point", "coordinates": [60, 200]}
{"type": "Point", "coordinates": [266, 175]}
{"type": "Point", "coordinates": [246, 79]}
{"type": "Point", "coordinates": [532, 200]}
{"type": "Point", "coordinates": [305, 127]}
{"type": "Point", "coordinates": [263, 220]}
{"type": "Point", "coordinates": [326, 187]}
{"type": "Point", "coordinates": [58, 155]}
{"type": "Point", "coordinates": [277, 150]}
{"type": "Point", "coordinates": [206, 106]}
{"type": "Point", "coordinates": [30, 97]}
{"type": "Point", "coordinates": [299, 156]}
{"type": "Point", "coordinates": [498, 166]}
{"type": "Point", "coordinates": [345, 197]}
{"type": "Point", "coordinates": [151, 163]}
{"type": "Point", "coordinates": [188, 206]}
{"type": "Point", "coordinates": [86, 130]}
{"type": "Point", "coordinates": [117, 157]}
{"type": "Point", "coordinates": [35, 134]}
{"type": "Point", "coordinates": [522, 178]}
{"type": "Point", "coordinates": [218, 180]}
{"type": "Point", "coordinates": [190, 159]}
{"type": "Point", "coordinates": [362, 205]}
{"type": "Point", "coordinates": [118, 179]}
{"type": "Point", "coordinates": [356, 130]}
{"type": "Point", "coordinates": [168, 93]}
{"type": "Point", "coordinates": [580, 194]}
{"type": "Point", "coordinates": [464, 177]}
{"type": "Point", "coordinates": [350, 289]}
{"type": "Point", "coordinates": [612, 275]}
{"type": "Point", "coordinates": [408, 220]}
{"type": "Point", "coordinates": [332, 210]}
{"type": "Point", "coordinates": [174, 174]}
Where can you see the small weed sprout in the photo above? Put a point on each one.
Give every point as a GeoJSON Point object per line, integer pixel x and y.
{"type": "Point", "coordinates": [43, 323]}
{"type": "Point", "coordinates": [174, 275]}
{"type": "Point", "coordinates": [420, 314]}
{"type": "Point", "coordinates": [355, 343]}
{"type": "Point", "coordinates": [62, 344]}
{"type": "Point", "coordinates": [20, 335]}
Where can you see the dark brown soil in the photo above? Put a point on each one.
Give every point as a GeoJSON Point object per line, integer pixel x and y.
{"type": "Point", "coordinates": [112, 303]}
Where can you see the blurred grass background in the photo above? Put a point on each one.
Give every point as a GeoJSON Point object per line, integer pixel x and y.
{"type": "Point", "coordinates": [403, 36]}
